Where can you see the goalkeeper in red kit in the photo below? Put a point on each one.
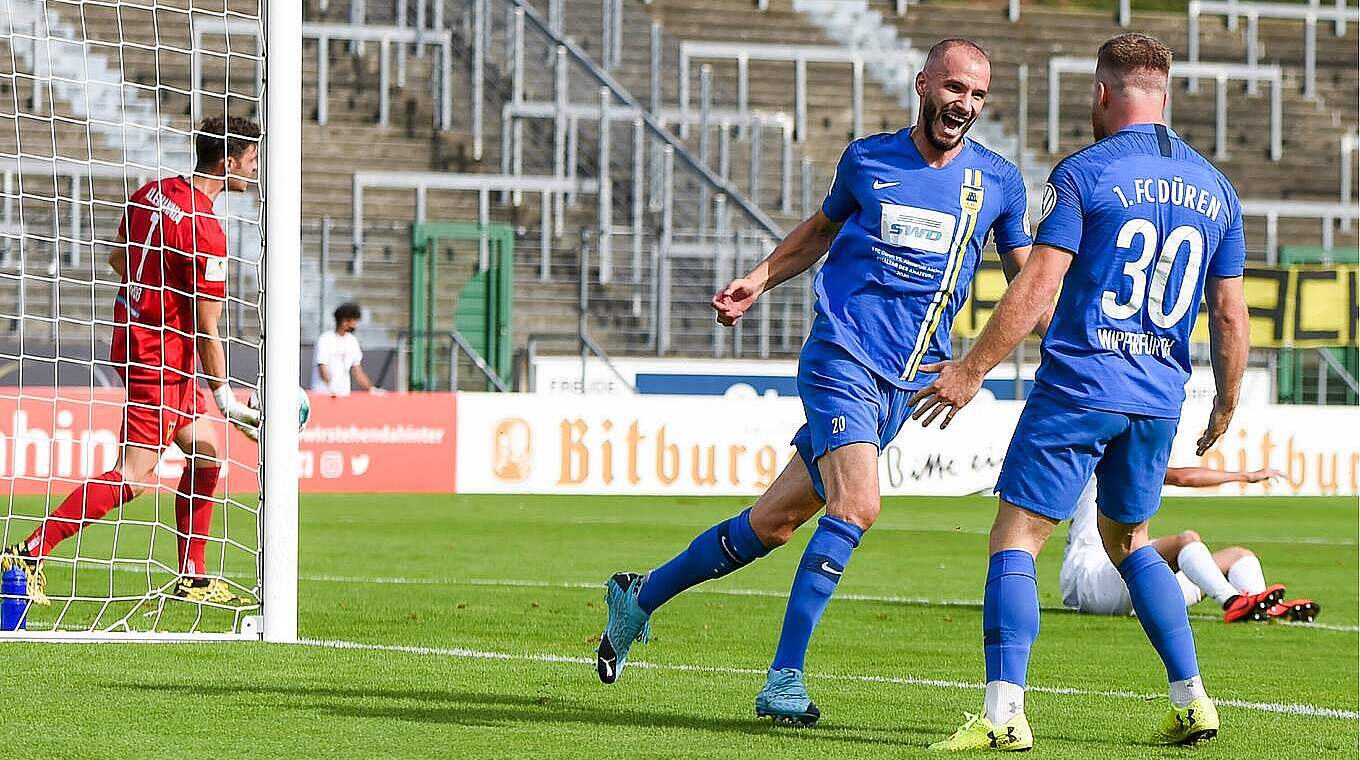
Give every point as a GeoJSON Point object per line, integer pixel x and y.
{"type": "Point", "coordinates": [171, 254]}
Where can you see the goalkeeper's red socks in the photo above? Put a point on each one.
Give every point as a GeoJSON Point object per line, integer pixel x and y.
{"type": "Point", "coordinates": [193, 516]}
{"type": "Point", "coordinates": [91, 501]}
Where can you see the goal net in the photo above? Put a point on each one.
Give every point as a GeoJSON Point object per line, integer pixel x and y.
{"type": "Point", "coordinates": [98, 98]}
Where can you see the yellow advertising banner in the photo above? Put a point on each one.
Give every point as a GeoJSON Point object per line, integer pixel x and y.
{"type": "Point", "coordinates": [1290, 307]}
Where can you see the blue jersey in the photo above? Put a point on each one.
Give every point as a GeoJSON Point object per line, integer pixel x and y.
{"type": "Point", "coordinates": [1148, 219]}
{"type": "Point", "coordinates": [912, 237]}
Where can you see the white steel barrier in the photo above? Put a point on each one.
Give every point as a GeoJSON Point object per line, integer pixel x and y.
{"type": "Point", "coordinates": [385, 36]}
{"type": "Point", "coordinates": [799, 55]}
{"type": "Point", "coordinates": [1349, 143]}
{"type": "Point", "coordinates": [1221, 73]}
{"type": "Point", "coordinates": [1309, 14]}
{"type": "Point", "coordinates": [1327, 214]}
{"type": "Point", "coordinates": [482, 184]}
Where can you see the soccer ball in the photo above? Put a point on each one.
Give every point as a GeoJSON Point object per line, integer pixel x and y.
{"type": "Point", "coordinates": [304, 406]}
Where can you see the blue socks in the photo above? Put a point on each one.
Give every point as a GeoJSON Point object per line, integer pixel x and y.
{"type": "Point", "coordinates": [818, 573]}
{"type": "Point", "coordinates": [1160, 607]}
{"type": "Point", "coordinates": [714, 553]}
{"type": "Point", "coordinates": [1010, 615]}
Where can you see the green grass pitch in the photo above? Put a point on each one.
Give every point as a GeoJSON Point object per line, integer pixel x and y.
{"type": "Point", "coordinates": [471, 623]}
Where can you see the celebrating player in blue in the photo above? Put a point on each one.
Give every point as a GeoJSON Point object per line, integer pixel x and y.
{"type": "Point", "coordinates": [1136, 228]}
{"type": "Point", "coordinates": [906, 220]}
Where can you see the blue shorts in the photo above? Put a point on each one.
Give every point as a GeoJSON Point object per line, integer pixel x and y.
{"type": "Point", "coordinates": [1057, 446]}
{"type": "Point", "coordinates": [845, 402]}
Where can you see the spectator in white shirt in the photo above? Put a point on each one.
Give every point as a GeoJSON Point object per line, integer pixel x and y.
{"type": "Point", "coordinates": [337, 357]}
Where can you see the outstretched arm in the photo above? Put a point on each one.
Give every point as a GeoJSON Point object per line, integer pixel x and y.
{"type": "Point", "coordinates": [807, 243]}
{"type": "Point", "coordinates": [1029, 297]}
{"type": "Point", "coordinates": [1203, 477]}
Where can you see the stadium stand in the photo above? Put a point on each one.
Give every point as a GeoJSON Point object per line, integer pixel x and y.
{"type": "Point", "coordinates": [646, 302]}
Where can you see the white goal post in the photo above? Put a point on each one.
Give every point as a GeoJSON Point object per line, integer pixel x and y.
{"type": "Point", "coordinates": [94, 104]}
{"type": "Point", "coordinates": [283, 224]}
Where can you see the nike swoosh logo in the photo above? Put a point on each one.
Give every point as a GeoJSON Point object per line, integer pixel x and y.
{"type": "Point", "coordinates": [880, 185]}
{"type": "Point", "coordinates": [829, 569]}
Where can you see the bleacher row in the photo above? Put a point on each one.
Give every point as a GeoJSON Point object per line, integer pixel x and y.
{"type": "Point", "coordinates": [666, 259]}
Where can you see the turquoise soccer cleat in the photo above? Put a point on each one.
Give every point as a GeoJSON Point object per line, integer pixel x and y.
{"type": "Point", "coordinates": [785, 699]}
{"type": "Point", "coordinates": [627, 623]}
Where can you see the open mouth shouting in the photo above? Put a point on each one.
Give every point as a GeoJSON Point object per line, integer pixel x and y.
{"type": "Point", "coordinates": [952, 126]}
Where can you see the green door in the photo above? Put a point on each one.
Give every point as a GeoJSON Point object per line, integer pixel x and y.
{"type": "Point", "coordinates": [482, 314]}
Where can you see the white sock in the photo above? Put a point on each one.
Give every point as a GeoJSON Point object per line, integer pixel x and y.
{"type": "Point", "coordinates": [1199, 566]}
{"type": "Point", "coordinates": [1246, 574]}
{"type": "Point", "coordinates": [1187, 691]}
{"type": "Point", "coordinates": [1004, 701]}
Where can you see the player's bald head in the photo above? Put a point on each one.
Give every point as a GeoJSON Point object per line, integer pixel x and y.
{"type": "Point", "coordinates": [954, 51]}
{"type": "Point", "coordinates": [1133, 65]}
{"type": "Point", "coordinates": [953, 88]}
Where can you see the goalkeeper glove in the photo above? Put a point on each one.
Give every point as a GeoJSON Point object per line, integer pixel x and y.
{"type": "Point", "coordinates": [242, 417]}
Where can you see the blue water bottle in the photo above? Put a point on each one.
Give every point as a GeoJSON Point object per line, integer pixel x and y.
{"type": "Point", "coordinates": [14, 605]}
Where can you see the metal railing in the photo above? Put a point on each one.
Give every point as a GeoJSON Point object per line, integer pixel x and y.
{"type": "Point", "coordinates": [1349, 143]}
{"type": "Point", "coordinates": [742, 53]}
{"type": "Point", "coordinates": [568, 53]}
{"type": "Point", "coordinates": [1219, 72]}
{"type": "Point", "coordinates": [755, 123]}
{"type": "Point", "coordinates": [386, 37]}
{"type": "Point", "coordinates": [1327, 214]}
{"type": "Point", "coordinates": [1327, 365]}
{"type": "Point", "coordinates": [1123, 9]}
{"type": "Point", "coordinates": [1309, 14]}
{"type": "Point", "coordinates": [458, 345]}
{"type": "Point", "coordinates": [82, 203]}
{"type": "Point", "coordinates": [482, 184]}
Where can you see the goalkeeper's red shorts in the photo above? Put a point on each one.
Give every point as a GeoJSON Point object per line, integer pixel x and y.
{"type": "Point", "coordinates": [155, 411]}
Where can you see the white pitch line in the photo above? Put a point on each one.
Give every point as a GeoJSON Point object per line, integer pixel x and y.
{"type": "Point", "coordinates": [882, 528]}
{"type": "Point", "coordinates": [882, 599]}
{"type": "Point", "coordinates": [1305, 710]}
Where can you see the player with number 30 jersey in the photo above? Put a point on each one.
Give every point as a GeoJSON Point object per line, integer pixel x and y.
{"type": "Point", "coordinates": [1136, 228]}
{"type": "Point", "coordinates": [1120, 337]}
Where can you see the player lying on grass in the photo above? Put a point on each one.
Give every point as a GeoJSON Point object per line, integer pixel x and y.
{"type": "Point", "coordinates": [172, 258]}
{"type": "Point", "coordinates": [1232, 576]}
{"type": "Point", "coordinates": [906, 219]}
{"type": "Point", "coordinates": [1109, 390]}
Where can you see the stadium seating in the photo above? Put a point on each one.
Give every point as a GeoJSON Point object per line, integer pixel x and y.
{"type": "Point", "coordinates": [623, 317]}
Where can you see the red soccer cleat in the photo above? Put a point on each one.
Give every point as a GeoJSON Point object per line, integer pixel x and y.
{"type": "Point", "coordinates": [1295, 611]}
{"type": "Point", "coordinates": [1252, 606]}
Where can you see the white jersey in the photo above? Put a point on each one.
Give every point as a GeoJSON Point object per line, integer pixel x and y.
{"type": "Point", "coordinates": [340, 354]}
{"type": "Point", "coordinates": [1089, 580]}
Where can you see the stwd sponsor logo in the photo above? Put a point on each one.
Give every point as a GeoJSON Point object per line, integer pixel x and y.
{"type": "Point", "coordinates": [920, 228]}
{"type": "Point", "coordinates": [513, 449]}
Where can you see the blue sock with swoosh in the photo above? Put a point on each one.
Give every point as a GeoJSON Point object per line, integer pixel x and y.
{"type": "Point", "coordinates": [725, 547]}
{"type": "Point", "coordinates": [818, 573]}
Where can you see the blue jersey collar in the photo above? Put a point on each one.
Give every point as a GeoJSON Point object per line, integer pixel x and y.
{"type": "Point", "coordinates": [1147, 128]}
{"type": "Point", "coordinates": [906, 135]}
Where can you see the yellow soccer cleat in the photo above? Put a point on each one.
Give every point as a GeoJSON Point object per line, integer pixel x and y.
{"type": "Point", "coordinates": [978, 734]}
{"type": "Point", "coordinates": [35, 581]}
{"type": "Point", "coordinates": [1196, 722]}
{"type": "Point", "coordinates": [209, 591]}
